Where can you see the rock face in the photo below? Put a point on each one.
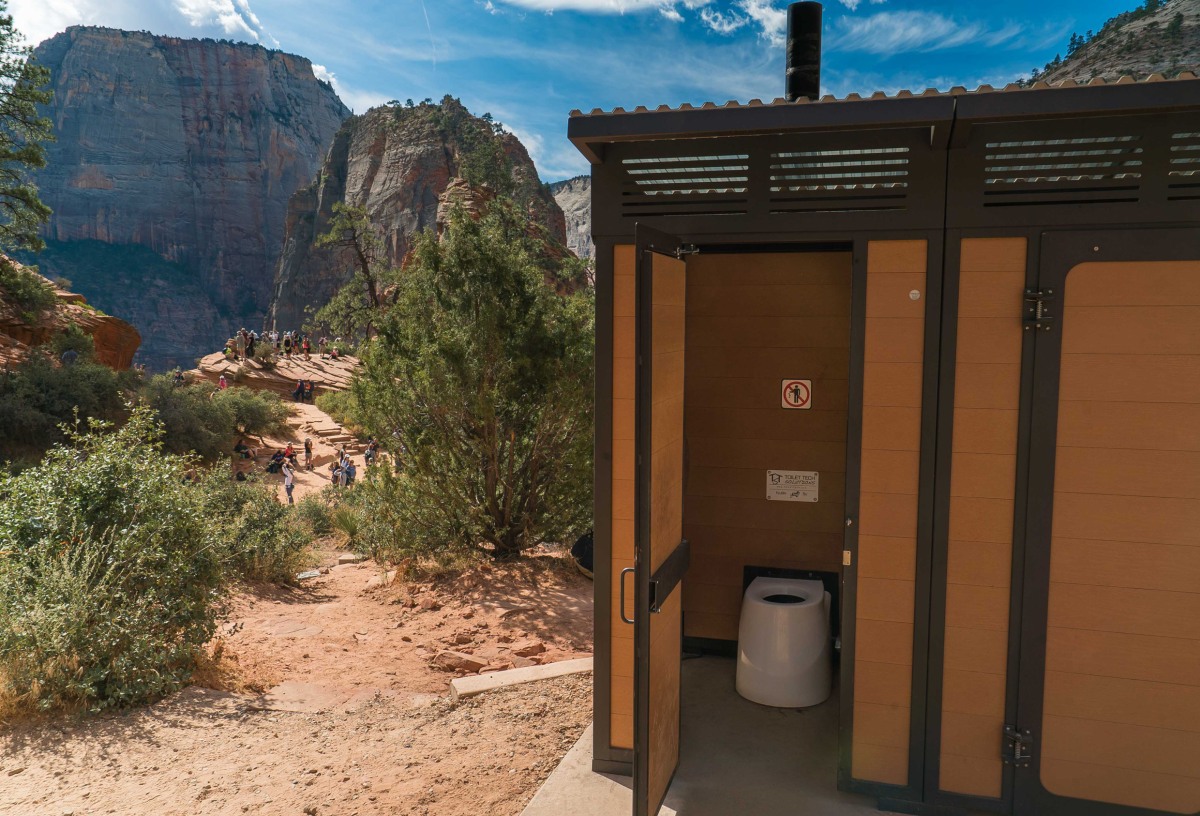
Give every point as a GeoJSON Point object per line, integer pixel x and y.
{"type": "Point", "coordinates": [574, 196]}
{"type": "Point", "coordinates": [115, 340]}
{"type": "Point", "coordinates": [190, 148]}
{"type": "Point", "coordinates": [396, 162]}
{"type": "Point", "coordinates": [1135, 43]}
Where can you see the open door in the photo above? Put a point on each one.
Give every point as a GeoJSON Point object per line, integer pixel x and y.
{"type": "Point", "coordinates": [660, 553]}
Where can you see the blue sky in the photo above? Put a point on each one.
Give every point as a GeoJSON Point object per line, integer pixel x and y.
{"type": "Point", "coordinates": [529, 62]}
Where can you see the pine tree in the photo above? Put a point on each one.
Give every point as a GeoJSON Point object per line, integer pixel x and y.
{"type": "Point", "coordinates": [22, 132]}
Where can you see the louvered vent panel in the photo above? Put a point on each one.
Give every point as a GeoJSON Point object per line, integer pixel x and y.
{"type": "Point", "coordinates": [686, 185]}
{"type": "Point", "coordinates": [1183, 176]}
{"type": "Point", "coordinates": [1080, 170]}
{"type": "Point", "coordinates": [875, 178]}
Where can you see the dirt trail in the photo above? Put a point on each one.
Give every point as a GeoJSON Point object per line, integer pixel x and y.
{"type": "Point", "coordinates": [353, 716]}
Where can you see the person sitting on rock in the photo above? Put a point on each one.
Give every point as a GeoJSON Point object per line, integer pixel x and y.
{"type": "Point", "coordinates": [309, 387]}
{"type": "Point", "coordinates": [333, 353]}
{"type": "Point", "coordinates": [277, 459]}
{"type": "Point", "coordinates": [289, 453]}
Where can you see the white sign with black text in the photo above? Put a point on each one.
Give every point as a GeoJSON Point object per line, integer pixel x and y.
{"type": "Point", "coordinates": [792, 485]}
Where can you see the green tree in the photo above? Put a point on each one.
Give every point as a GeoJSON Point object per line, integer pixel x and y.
{"type": "Point", "coordinates": [353, 309]}
{"type": "Point", "coordinates": [1175, 27]}
{"type": "Point", "coordinates": [480, 378]}
{"type": "Point", "coordinates": [22, 132]}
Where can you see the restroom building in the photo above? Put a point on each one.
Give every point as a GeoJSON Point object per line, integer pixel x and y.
{"type": "Point", "coordinates": [961, 332]}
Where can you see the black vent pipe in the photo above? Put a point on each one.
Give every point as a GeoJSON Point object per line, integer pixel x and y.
{"type": "Point", "coordinates": [803, 51]}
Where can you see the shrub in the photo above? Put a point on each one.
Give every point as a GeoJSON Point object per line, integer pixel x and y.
{"type": "Point", "coordinates": [259, 537]}
{"type": "Point", "coordinates": [313, 515]}
{"type": "Point", "coordinates": [340, 405]}
{"type": "Point", "coordinates": [39, 396]}
{"type": "Point", "coordinates": [109, 572]}
{"type": "Point", "coordinates": [28, 290]}
{"type": "Point", "coordinates": [198, 418]}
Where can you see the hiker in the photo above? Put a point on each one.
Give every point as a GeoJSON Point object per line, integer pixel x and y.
{"type": "Point", "coordinates": [304, 344]}
{"type": "Point", "coordinates": [298, 393]}
{"type": "Point", "coordinates": [289, 481]}
{"type": "Point", "coordinates": [333, 353]}
{"type": "Point", "coordinates": [308, 391]}
{"type": "Point", "coordinates": [321, 344]}
{"type": "Point", "coordinates": [245, 450]}
{"type": "Point", "coordinates": [178, 379]}
{"type": "Point", "coordinates": [335, 473]}
{"type": "Point", "coordinates": [250, 345]}
{"type": "Point", "coordinates": [289, 454]}
{"type": "Point", "coordinates": [222, 383]}
{"type": "Point", "coordinates": [276, 462]}
{"type": "Point", "coordinates": [287, 345]}
{"type": "Point", "coordinates": [369, 454]}
{"type": "Point", "coordinates": [351, 472]}
{"type": "Point", "coordinates": [308, 453]}
{"type": "Point", "coordinates": [344, 478]}
{"type": "Point", "coordinates": [241, 344]}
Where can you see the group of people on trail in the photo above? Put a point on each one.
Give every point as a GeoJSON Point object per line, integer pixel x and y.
{"type": "Point", "coordinates": [343, 470]}
{"type": "Point", "coordinates": [241, 346]}
{"type": "Point", "coordinates": [303, 392]}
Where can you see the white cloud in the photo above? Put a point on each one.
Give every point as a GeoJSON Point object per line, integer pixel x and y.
{"type": "Point", "coordinates": [894, 32]}
{"type": "Point", "coordinates": [722, 23]}
{"type": "Point", "coordinates": [39, 20]}
{"type": "Point", "coordinates": [356, 99]}
{"type": "Point", "coordinates": [671, 13]}
{"type": "Point", "coordinates": [771, 21]}
{"type": "Point", "coordinates": [602, 6]}
{"type": "Point", "coordinates": [851, 4]}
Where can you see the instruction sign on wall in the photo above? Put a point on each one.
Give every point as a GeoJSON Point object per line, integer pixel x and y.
{"type": "Point", "coordinates": [797, 394]}
{"type": "Point", "coordinates": [792, 485]}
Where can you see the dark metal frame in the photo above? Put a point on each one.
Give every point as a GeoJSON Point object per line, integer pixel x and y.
{"type": "Point", "coordinates": [1061, 252]}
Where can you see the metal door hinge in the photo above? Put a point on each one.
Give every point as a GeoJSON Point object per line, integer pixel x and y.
{"type": "Point", "coordinates": [1037, 309]}
{"type": "Point", "coordinates": [684, 250]}
{"type": "Point", "coordinates": [1018, 747]}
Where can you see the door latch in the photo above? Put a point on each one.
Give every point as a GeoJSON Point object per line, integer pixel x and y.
{"type": "Point", "coordinates": [1018, 747]}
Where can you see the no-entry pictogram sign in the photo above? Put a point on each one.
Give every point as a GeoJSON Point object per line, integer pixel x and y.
{"type": "Point", "coordinates": [797, 394]}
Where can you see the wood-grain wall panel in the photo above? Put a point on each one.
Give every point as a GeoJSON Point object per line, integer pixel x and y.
{"type": "Point", "coordinates": [753, 321]}
{"type": "Point", "coordinates": [982, 493]}
{"type": "Point", "coordinates": [624, 421]}
{"type": "Point", "coordinates": [1121, 706]}
{"type": "Point", "coordinates": [887, 523]}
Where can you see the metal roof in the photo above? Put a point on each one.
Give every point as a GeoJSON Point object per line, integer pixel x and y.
{"type": "Point", "coordinates": [933, 107]}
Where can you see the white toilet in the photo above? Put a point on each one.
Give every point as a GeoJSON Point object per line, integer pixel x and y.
{"type": "Point", "coordinates": [785, 650]}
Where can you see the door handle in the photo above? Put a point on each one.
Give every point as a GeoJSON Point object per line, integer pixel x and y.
{"type": "Point", "coordinates": [622, 598]}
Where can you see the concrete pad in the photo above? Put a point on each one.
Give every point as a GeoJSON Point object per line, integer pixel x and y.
{"type": "Point", "coordinates": [573, 788]}
{"type": "Point", "coordinates": [351, 558]}
{"type": "Point", "coordinates": [477, 684]}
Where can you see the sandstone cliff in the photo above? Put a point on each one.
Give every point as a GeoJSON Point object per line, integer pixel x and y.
{"type": "Point", "coordinates": [191, 148]}
{"type": "Point", "coordinates": [395, 162]}
{"type": "Point", "coordinates": [575, 197]}
{"type": "Point", "coordinates": [1158, 37]}
{"type": "Point", "coordinates": [116, 341]}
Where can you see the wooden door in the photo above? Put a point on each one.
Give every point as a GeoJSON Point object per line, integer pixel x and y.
{"type": "Point", "coordinates": [660, 553]}
{"type": "Point", "coordinates": [1109, 696]}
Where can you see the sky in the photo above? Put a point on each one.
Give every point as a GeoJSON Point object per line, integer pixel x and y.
{"type": "Point", "coordinates": [530, 62]}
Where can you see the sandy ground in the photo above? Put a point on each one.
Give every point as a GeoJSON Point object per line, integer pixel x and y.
{"type": "Point", "coordinates": [327, 700]}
